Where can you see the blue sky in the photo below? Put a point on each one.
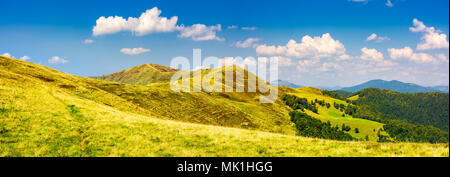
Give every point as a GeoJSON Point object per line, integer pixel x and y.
{"type": "Point", "coordinates": [59, 34]}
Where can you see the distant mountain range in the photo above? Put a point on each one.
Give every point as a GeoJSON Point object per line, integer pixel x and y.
{"type": "Point", "coordinates": [378, 83]}
{"type": "Point", "coordinates": [285, 83]}
{"type": "Point", "coordinates": [395, 86]}
{"type": "Point", "coordinates": [329, 88]}
{"type": "Point", "coordinates": [441, 88]}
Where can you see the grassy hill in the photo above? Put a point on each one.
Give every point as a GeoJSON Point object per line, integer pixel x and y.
{"type": "Point", "coordinates": [334, 116]}
{"type": "Point", "coordinates": [240, 110]}
{"type": "Point", "coordinates": [44, 112]}
{"type": "Point", "coordinates": [141, 75]}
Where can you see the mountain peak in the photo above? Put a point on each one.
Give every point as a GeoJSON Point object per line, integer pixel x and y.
{"type": "Point", "coordinates": [141, 75]}
{"type": "Point", "coordinates": [156, 67]}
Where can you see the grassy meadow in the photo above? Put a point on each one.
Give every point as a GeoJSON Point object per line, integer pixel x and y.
{"type": "Point", "coordinates": [48, 113]}
{"type": "Point", "coordinates": [366, 127]}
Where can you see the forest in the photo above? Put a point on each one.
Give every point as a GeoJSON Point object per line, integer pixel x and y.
{"type": "Point", "coordinates": [411, 117]}
{"type": "Point", "coordinates": [311, 127]}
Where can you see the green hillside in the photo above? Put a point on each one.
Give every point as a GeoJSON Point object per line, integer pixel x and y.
{"type": "Point", "coordinates": [430, 108]}
{"type": "Point", "coordinates": [44, 112]}
{"type": "Point", "coordinates": [416, 117]}
{"type": "Point", "coordinates": [334, 116]}
{"type": "Point", "coordinates": [240, 110]}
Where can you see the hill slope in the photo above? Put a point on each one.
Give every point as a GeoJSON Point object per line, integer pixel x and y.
{"type": "Point", "coordinates": [141, 75]}
{"type": "Point", "coordinates": [335, 115]}
{"type": "Point", "coordinates": [240, 110]}
{"type": "Point", "coordinates": [390, 85]}
{"type": "Point", "coordinates": [44, 112]}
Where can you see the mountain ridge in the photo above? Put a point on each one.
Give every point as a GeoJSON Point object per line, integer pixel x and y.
{"type": "Point", "coordinates": [394, 85]}
{"type": "Point", "coordinates": [141, 75]}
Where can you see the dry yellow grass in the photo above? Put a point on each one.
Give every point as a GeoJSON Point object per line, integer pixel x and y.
{"type": "Point", "coordinates": [38, 118]}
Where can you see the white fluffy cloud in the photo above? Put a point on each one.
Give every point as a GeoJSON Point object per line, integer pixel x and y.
{"type": "Point", "coordinates": [24, 58]}
{"type": "Point", "coordinates": [344, 57]}
{"type": "Point", "coordinates": [376, 38]}
{"type": "Point", "coordinates": [400, 53]}
{"type": "Point", "coordinates": [441, 57]}
{"type": "Point", "coordinates": [134, 51]}
{"type": "Point", "coordinates": [200, 32]}
{"type": "Point", "coordinates": [306, 65]}
{"type": "Point", "coordinates": [151, 22]}
{"type": "Point", "coordinates": [408, 53]}
{"type": "Point", "coordinates": [329, 66]}
{"type": "Point", "coordinates": [7, 55]}
{"type": "Point", "coordinates": [317, 47]}
{"type": "Point", "coordinates": [250, 42]}
{"type": "Point", "coordinates": [148, 22]}
{"type": "Point", "coordinates": [57, 60]}
{"type": "Point", "coordinates": [371, 54]}
{"type": "Point", "coordinates": [11, 56]}
{"type": "Point", "coordinates": [431, 39]}
{"type": "Point", "coordinates": [88, 41]}
{"type": "Point", "coordinates": [284, 61]}
{"type": "Point", "coordinates": [232, 61]}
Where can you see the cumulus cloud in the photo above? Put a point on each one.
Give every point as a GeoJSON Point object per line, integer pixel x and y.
{"type": "Point", "coordinates": [371, 54]}
{"type": "Point", "coordinates": [88, 41]}
{"type": "Point", "coordinates": [233, 61]}
{"type": "Point", "coordinates": [317, 47]}
{"type": "Point", "coordinates": [149, 22]}
{"type": "Point", "coordinates": [7, 55]}
{"type": "Point", "coordinates": [431, 39]}
{"type": "Point", "coordinates": [408, 53]}
{"type": "Point", "coordinates": [376, 38]}
{"type": "Point", "coordinates": [200, 32]}
{"type": "Point", "coordinates": [250, 42]}
{"type": "Point", "coordinates": [57, 60]}
{"type": "Point", "coordinates": [306, 65]}
{"type": "Point", "coordinates": [24, 58]}
{"type": "Point", "coordinates": [284, 61]}
{"type": "Point", "coordinates": [344, 57]}
{"type": "Point", "coordinates": [389, 3]}
{"type": "Point", "coordinates": [134, 51]}
{"type": "Point", "coordinates": [11, 56]}
{"type": "Point", "coordinates": [249, 28]}
{"type": "Point", "coordinates": [441, 57]}
{"type": "Point", "coordinates": [329, 66]}
{"type": "Point", "coordinates": [386, 63]}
